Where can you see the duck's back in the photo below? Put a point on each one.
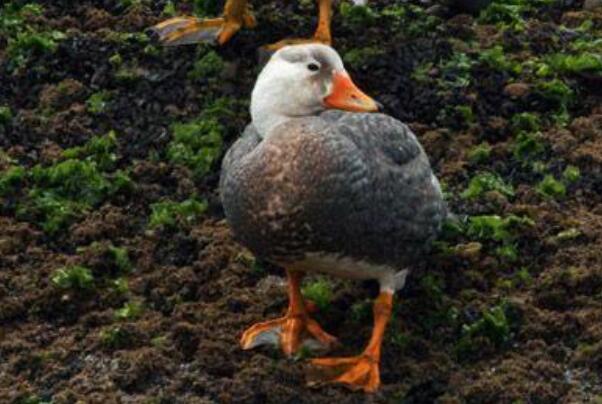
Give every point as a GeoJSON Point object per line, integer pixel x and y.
{"type": "Point", "coordinates": [346, 184]}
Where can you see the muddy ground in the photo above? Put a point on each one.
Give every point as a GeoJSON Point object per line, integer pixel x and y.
{"type": "Point", "coordinates": [506, 315]}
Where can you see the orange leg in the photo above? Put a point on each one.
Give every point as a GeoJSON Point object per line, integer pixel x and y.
{"type": "Point", "coordinates": [360, 372]}
{"type": "Point", "coordinates": [290, 331]}
{"type": "Point", "coordinates": [322, 34]}
{"type": "Point", "coordinates": [189, 30]}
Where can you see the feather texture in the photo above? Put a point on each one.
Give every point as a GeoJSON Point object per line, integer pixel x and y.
{"type": "Point", "coordinates": [347, 184]}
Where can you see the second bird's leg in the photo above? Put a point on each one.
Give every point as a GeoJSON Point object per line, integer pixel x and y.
{"type": "Point", "coordinates": [322, 34]}
{"type": "Point", "coordinates": [189, 30]}
{"type": "Point", "coordinates": [237, 14]}
{"type": "Point", "coordinates": [359, 372]}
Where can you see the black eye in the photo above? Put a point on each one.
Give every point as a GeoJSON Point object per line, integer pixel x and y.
{"type": "Point", "coordinates": [314, 67]}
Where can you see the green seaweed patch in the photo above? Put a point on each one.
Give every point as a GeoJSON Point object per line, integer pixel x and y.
{"type": "Point", "coordinates": [495, 58]}
{"type": "Point", "coordinates": [361, 311]}
{"type": "Point", "coordinates": [357, 15]}
{"type": "Point", "coordinates": [28, 44]}
{"type": "Point", "coordinates": [557, 91]}
{"type": "Point", "coordinates": [511, 14]}
{"type": "Point", "coordinates": [318, 291]}
{"type": "Point", "coordinates": [526, 122]}
{"type": "Point", "coordinates": [116, 337]}
{"type": "Point", "coordinates": [6, 115]}
{"type": "Point", "coordinates": [359, 58]}
{"type": "Point", "coordinates": [24, 40]}
{"type": "Point", "coordinates": [520, 278]}
{"type": "Point", "coordinates": [496, 228]}
{"type": "Point", "coordinates": [499, 234]}
{"type": "Point", "coordinates": [31, 399]}
{"type": "Point", "coordinates": [466, 113]}
{"type": "Point", "coordinates": [121, 258]}
{"type": "Point", "coordinates": [126, 4]}
{"type": "Point", "coordinates": [116, 60]}
{"type": "Point", "coordinates": [209, 65]}
{"type": "Point", "coordinates": [120, 286]}
{"type": "Point", "coordinates": [52, 212]}
{"type": "Point", "coordinates": [456, 71]}
{"type": "Point", "coordinates": [11, 179]}
{"type": "Point", "coordinates": [527, 145]}
{"type": "Point", "coordinates": [417, 21]}
{"type": "Point", "coordinates": [97, 102]}
{"type": "Point", "coordinates": [480, 153]}
{"type": "Point", "coordinates": [437, 310]}
{"type": "Point", "coordinates": [485, 182]}
{"type": "Point", "coordinates": [550, 187]}
{"type": "Point", "coordinates": [73, 277]}
{"type": "Point", "coordinates": [99, 149]}
{"type": "Point", "coordinates": [63, 192]}
{"type": "Point", "coordinates": [110, 258]}
{"type": "Point", "coordinates": [585, 62]}
{"type": "Point", "coordinates": [587, 44]}
{"type": "Point", "coordinates": [422, 73]}
{"type": "Point", "coordinates": [139, 38]}
{"type": "Point", "coordinates": [196, 144]}
{"type": "Point", "coordinates": [205, 8]}
{"type": "Point", "coordinates": [170, 214]}
{"type": "Point", "coordinates": [130, 311]}
{"type": "Point", "coordinates": [495, 325]}
{"type": "Point", "coordinates": [77, 179]}
{"type": "Point", "coordinates": [169, 10]}
{"type": "Point", "coordinates": [508, 252]}
{"type": "Point", "coordinates": [571, 174]}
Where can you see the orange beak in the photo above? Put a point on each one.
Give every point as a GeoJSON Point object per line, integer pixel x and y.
{"type": "Point", "coordinates": [345, 95]}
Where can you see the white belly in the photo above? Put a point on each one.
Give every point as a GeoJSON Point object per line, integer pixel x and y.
{"type": "Point", "coordinates": [390, 279]}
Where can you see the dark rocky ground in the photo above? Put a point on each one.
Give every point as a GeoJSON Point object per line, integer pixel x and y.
{"type": "Point", "coordinates": [152, 298]}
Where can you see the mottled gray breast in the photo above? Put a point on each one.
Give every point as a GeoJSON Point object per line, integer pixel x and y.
{"type": "Point", "coordinates": [353, 184]}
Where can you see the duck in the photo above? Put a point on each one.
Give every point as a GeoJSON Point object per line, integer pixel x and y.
{"type": "Point", "coordinates": [236, 15]}
{"type": "Point", "coordinates": [321, 182]}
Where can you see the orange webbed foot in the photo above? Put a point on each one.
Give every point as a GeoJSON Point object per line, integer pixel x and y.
{"type": "Point", "coordinates": [190, 30]}
{"type": "Point", "coordinates": [356, 372]}
{"type": "Point", "coordinates": [290, 332]}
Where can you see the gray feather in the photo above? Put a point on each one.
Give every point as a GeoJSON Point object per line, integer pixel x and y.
{"type": "Point", "coordinates": [357, 185]}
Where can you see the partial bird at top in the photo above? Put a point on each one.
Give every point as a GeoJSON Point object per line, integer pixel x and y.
{"type": "Point", "coordinates": [236, 15]}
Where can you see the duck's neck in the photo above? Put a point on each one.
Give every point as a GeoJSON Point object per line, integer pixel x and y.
{"type": "Point", "coordinates": [265, 120]}
{"type": "Point", "coordinates": [265, 111]}
{"type": "Point", "coordinates": [273, 105]}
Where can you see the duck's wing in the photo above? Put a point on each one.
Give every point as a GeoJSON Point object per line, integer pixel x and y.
{"type": "Point", "coordinates": [388, 193]}
{"type": "Point", "coordinates": [248, 141]}
{"type": "Point", "coordinates": [390, 142]}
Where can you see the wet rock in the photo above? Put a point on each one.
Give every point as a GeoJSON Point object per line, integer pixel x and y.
{"type": "Point", "coordinates": [461, 26]}
{"type": "Point", "coordinates": [517, 90]}
{"type": "Point", "coordinates": [62, 94]}
{"type": "Point", "coordinates": [573, 19]}
{"type": "Point", "coordinates": [592, 4]}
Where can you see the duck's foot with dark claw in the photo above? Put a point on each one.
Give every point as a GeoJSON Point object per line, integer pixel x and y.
{"type": "Point", "coordinates": [357, 372]}
{"type": "Point", "coordinates": [290, 333]}
{"type": "Point", "coordinates": [293, 331]}
{"type": "Point", "coordinates": [190, 30]}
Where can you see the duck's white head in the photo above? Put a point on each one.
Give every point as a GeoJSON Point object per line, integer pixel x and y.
{"type": "Point", "coordinates": [304, 80]}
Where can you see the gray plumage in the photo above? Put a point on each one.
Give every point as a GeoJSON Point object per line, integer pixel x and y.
{"type": "Point", "coordinates": [354, 185]}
